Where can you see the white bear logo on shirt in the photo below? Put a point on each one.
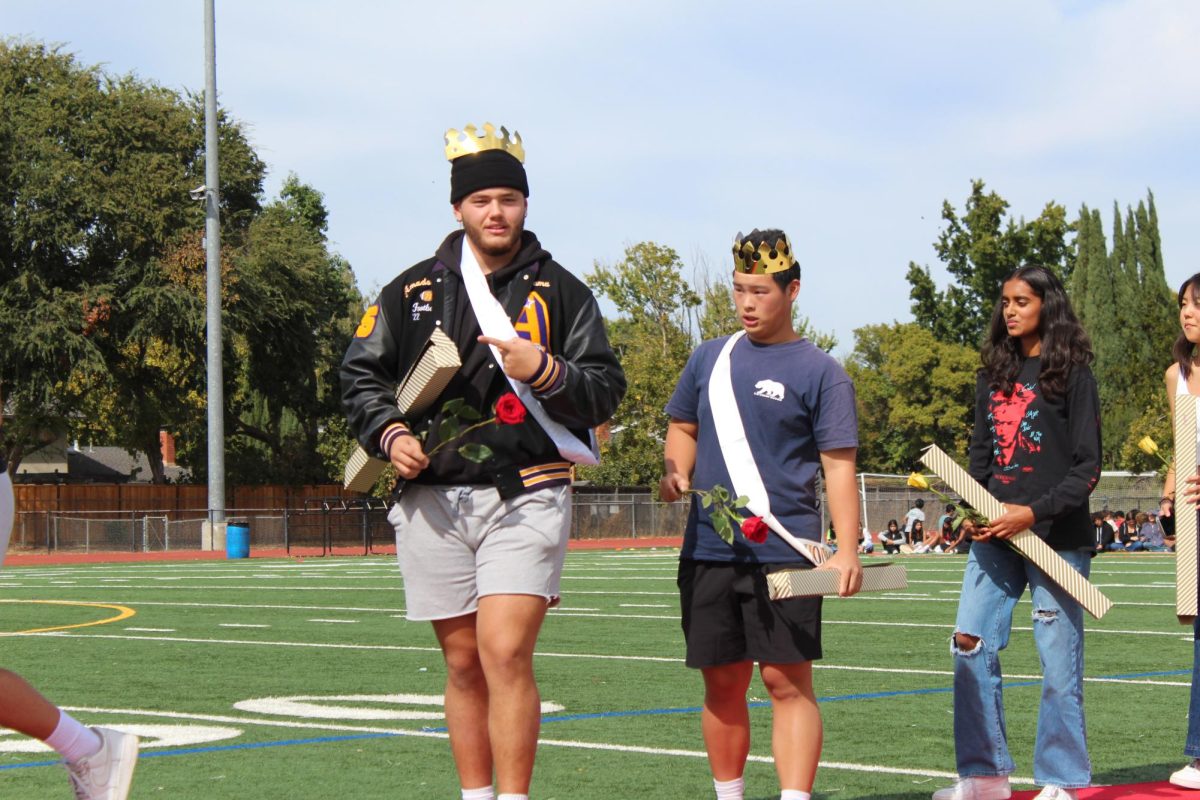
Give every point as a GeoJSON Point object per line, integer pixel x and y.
{"type": "Point", "coordinates": [769, 389]}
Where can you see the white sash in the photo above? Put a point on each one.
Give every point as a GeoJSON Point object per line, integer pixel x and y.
{"type": "Point", "coordinates": [739, 461]}
{"type": "Point", "coordinates": [494, 322]}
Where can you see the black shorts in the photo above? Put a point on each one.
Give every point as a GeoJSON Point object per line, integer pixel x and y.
{"type": "Point", "coordinates": [728, 617]}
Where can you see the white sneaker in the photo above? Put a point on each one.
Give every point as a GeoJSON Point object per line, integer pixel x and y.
{"type": "Point", "coordinates": [108, 774]}
{"type": "Point", "coordinates": [1052, 792]}
{"type": "Point", "coordinates": [1188, 777]}
{"type": "Point", "coordinates": [984, 787]}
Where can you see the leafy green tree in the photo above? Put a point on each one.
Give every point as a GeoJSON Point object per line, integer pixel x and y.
{"type": "Point", "coordinates": [1123, 300]}
{"type": "Point", "coordinates": [292, 320]}
{"type": "Point", "coordinates": [94, 172]}
{"type": "Point", "coordinates": [912, 390]}
{"type": "Point", "coordinates": [652, 340]}
{"type": "Point", "coordinates": [979, 248]}
{"type": "Point", "coordinates": [717, 316]}
{"type": "Point", "coordinates": [102, 276]}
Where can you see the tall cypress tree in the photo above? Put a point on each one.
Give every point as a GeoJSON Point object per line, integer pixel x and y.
{"type": "Point", "coordinates": [1124, 303]}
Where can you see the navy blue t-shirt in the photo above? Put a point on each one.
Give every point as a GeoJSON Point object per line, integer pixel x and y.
{"type": "Point", "coordinates": [795, 401]}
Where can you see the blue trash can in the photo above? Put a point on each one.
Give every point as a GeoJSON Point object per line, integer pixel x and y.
{"type": "Point", "coordinates": [237, 540]}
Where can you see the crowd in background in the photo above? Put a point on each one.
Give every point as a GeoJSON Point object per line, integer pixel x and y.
{"type": "Point", "coordinates": [1132, 532]}
{"type": "Point", "coordinates": [1113, 531]}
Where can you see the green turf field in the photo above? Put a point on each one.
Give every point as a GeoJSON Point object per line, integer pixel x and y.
{"type": "Point", "coordinates": [356, 714]}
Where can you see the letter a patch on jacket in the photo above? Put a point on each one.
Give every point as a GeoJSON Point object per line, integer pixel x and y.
{"type": "Point", "coordinates": [534, 322]}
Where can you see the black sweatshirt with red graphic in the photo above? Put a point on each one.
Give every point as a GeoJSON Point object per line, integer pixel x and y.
{"type": "Point", "coordinates": [1030, 450]}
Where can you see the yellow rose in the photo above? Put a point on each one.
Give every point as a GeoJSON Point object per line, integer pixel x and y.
{"type": "Point", "coordinates": [917, 481]}
{"type": "Point", "coordinates": [1147, 446]}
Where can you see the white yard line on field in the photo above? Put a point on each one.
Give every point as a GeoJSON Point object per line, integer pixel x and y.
{"type": "Point", "coordinates": [570, 744]}
{"type": "Point", "coordinates": [540, 654]}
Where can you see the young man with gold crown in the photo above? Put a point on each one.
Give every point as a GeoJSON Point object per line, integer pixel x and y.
{"type": "Point", "coordinates": [481, 542]}
{"type": "Point", "coordinates": [757, 415]}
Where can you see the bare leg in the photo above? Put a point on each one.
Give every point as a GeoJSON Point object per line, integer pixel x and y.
{"type": "Point", "coordinates": [796, 733]}
{"type": "Point", "coordinates": [725, 720]}
{"type": "Point", "coordinates": [466, 701]}
{"type": "Point", "coordinates": [23, 709]}
{"type": "Point", "coordinates": [507, 627]}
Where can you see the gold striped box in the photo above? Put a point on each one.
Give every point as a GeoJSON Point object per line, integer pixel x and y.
{"type": "Point", "coordinates": [788, 583]}
{"type": "Point", "coordinates": [1027, 543]}
{"type": "Point", "coordinates": [1186, 459]}
{"type": "Point", "coordinates": [420, 388]}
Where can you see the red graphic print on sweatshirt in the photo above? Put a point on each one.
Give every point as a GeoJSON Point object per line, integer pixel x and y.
{"type": "Point", "coordinates": [1011, 429]}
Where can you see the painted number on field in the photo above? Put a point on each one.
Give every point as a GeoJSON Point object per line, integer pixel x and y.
{"type": "Point", "coordinates": [150, 735]}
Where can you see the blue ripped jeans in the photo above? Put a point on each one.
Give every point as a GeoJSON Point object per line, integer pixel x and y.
{"type": "Point", "coordinates": [995, 578]}
{"type": "Point", "coordinates": [1192, 747]}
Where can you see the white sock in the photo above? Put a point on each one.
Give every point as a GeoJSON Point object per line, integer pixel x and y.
{"type": "Point", "coordinates": [794, 794]}
{"type": "Point", "coordinates": [509, 796]}
{"type": "Point", "coordinates": [72, 739]}
{"type": "Point", "coordinates": [482, 793]}
{"type": "Point", "coordinates": [730, 790]}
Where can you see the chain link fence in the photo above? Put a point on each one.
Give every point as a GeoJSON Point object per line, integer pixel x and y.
{"type": "Point", "coordinates": [344, 523]}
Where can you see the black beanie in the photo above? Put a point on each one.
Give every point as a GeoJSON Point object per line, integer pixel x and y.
{"type": "Point", "coordinates": [486, 170]}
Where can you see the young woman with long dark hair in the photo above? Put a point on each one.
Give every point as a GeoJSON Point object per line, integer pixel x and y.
{"type": "Point", "coordinates": [1036, 447]}
{"type": "Point", "coordinates": [1183, 378]}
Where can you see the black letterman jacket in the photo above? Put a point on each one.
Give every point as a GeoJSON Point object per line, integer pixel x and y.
{"type": "Point", "coordinates": [580, 384]}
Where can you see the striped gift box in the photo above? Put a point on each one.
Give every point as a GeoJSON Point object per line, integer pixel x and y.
{"type": "Point", "coordinates": [1185, 517]}
{"type": "Point", "coordinates": [788, 583]}
{"type": "Point", "coordinates": [420, 388]}
{"type": "Point", "coordinates": [1027, 543]}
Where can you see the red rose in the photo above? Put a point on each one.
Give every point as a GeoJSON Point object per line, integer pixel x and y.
{"type": "Point", "coordinates": [510, 410]}
{"type": "Point", "coordinates": [754, 529]}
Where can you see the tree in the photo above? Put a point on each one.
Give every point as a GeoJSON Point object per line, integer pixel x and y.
{"type": "Point", "coordinates": [912, 390]}
{"type": "Point", "coordinates": [718, 316]}
{"type": "Point", "coordinates": [292, 321]}
{"type": "Point", "coordinates": [93, 176]}
{"type": "Point", "coordinates": [102, 275]}
{"type": "Point", "coordinates": [651, 338]}
{"type": "Point", "coordinates": [979, 248]}
{"type": "Point", "coordinates": [1123, 300]}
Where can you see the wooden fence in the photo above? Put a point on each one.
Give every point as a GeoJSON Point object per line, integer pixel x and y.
{"type": "Point", "coordinates": [170, 499]}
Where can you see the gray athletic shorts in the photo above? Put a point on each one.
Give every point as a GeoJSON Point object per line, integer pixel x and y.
{"type": "Point", "coordinates": [459, 543]}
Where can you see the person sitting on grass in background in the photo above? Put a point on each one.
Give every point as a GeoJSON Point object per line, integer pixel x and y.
{"type": "Point", "coordinates": [99, 761]}
{"type": "Point", "coordinates": [1116, 522]}
{"type": "Point", "coordinates": [1126, 539]}
{"type": "Point", "coordinates": [1102, 532]}
{"type": "Point", "coordinates": [966, 532]}
{"type": "Point", "coordinates": [914, 515]}
{"type": "Point", "coordinates": [922, 541]}
{"type": "Point", "coordinates": [866, 544]}
{"type": "Point", "coordinates": [892, 537]}
{"type": "Point", "coordinates": [1149, 534]}
{"type": "Point", "coordinates": [947, 516]}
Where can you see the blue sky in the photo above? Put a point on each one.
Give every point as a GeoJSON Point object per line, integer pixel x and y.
{"type": "Point", "coordinates": [845, 123]}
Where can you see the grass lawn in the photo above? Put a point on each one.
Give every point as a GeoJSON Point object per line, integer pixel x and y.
{"type": "Point", "coordinates": [301, 680]}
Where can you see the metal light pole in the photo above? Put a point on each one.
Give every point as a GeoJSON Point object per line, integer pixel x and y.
{"type": "Point", "coordinates": [212, 238]}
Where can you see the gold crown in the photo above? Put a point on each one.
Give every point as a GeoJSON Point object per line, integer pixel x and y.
{"type": "Point", "coordinates": [763, 258]}
{"type": "Point", "coordinates": [468, 141]}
